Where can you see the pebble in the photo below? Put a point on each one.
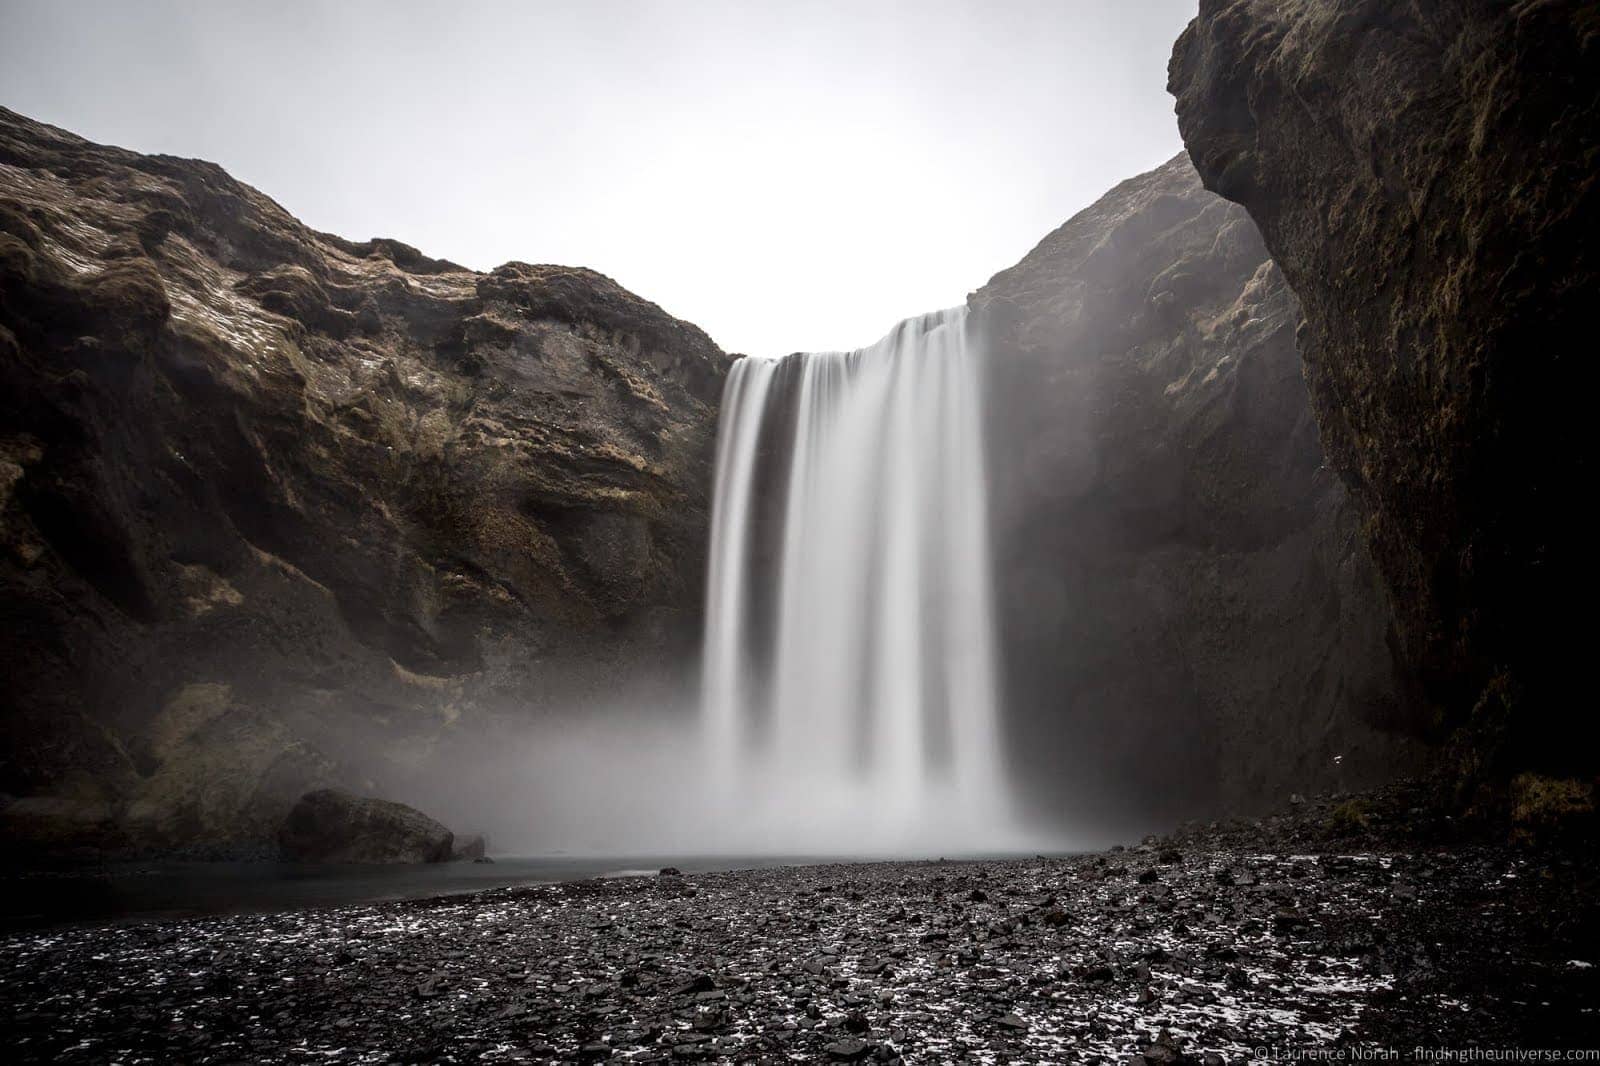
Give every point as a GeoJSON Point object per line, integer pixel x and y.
{"type": "Point", "coordinates": [1049, 960]}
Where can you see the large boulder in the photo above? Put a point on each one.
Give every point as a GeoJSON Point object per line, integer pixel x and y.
{"type": "Point", "coordinates": [330, 825]}
{"type": "Point", "coordinates": [1425, 175]}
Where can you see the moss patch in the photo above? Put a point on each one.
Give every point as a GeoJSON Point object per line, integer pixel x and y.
{"type": "Point", "coordinates": [1350, 817]}
{"type": "Point", "coordinates": [1541, 806]}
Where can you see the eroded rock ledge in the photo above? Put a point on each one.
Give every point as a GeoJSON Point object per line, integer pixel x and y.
{"type": "Point", "coordinates": [277, 508]}
{"type": "Point", "coordinates": [1428, 178]}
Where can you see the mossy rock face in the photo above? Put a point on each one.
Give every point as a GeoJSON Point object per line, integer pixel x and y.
{"type": "Point", "coordinates": [1543, 808]}
{"type": "Point", "coordinates": [18, 264]}
{"type": "Point", "coordinates": [240, 456]}
{"type": "Point", "coordinates": [296, 294]}
{"type": "Point", "coordinates": [1350, 818]}
{"type": "Point", "coordinates": [71, 824]}
{"type": "Point", "coordinates": [1424, 176]}
{"type": "Point", "coordinates": [132, 295]}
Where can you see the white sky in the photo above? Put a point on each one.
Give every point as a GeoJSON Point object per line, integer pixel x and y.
{"type": "Point", "coordinates": [786, 175]}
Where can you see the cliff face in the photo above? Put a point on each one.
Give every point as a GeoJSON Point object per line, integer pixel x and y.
{"type": "Point", "coordinates": [1189, 617]}
{"type": "Point", "coordinates": [277, 509]}
{"type": "Point", "coordinates": [1428, 178]}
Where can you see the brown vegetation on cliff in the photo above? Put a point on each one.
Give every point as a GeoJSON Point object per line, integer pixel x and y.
{"type": "Point", "coordinates": [267, 495]}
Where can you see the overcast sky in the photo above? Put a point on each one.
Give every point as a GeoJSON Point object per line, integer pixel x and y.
{"type": "Point", "coordinates": [787, 175]}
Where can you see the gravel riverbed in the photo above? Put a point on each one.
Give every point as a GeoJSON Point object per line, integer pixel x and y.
{"type": "Point", "coordinates": [1248, 941]}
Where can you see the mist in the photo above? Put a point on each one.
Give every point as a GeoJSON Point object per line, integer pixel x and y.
{"type": "Point", "coordinates": [640, 779]}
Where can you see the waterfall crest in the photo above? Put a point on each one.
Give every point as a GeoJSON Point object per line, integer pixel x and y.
{"type": "Point", "coordinates": [849, 678]}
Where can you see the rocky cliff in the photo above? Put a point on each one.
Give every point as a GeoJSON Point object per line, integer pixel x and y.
{"type": "Point", "coordinates": [280, 509]}
{"type": "Point", "coordinates": [1428, 178]}
{"type": "Point", "coordinates": [1189, 617]}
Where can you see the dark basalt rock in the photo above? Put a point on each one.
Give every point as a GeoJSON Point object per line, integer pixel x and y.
{"type": "Point", "coordinates": [1188, 615]}
{"type": "Point", "coordinates": [333, 826]}
{"type": "Point", "coordinates": [279, 510]}
{"type": "Point", "coordinates": [848, 1050]}
{"type": "Point", "coordinates": [1426, 176]}
{"type": "Point", "coordinates": [1209, 980]}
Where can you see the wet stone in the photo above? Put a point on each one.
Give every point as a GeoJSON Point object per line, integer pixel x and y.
{"type": "Point", "coordinates": [754, 969]}
{"type": "Point", "coordinates": [848, 1050]}
{"type": "Point", "coordinates": [699, 983]}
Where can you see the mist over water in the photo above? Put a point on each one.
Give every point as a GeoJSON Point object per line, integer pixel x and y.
{"type": "Point", "coordinates": [850, 697]}
{"type": "Point", "coordinates": [848, 700]}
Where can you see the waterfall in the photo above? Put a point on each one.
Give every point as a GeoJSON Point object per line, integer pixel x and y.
{"type": "Point", "coordinates": [849, 680]}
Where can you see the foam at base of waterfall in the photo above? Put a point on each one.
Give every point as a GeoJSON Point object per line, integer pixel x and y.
{"type": "Point", "coordinates": [846, 816]}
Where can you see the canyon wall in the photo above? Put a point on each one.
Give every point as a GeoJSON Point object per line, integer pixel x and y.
{"type": "Point", "coordinates": [1428, 178]}
{"type": "Point", "coordinates": [278, 509]}
{"type": "Point", "coordinates": [1189, 618]}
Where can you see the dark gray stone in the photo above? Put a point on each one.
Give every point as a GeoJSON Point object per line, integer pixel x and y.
{"type": "Point", "coordinates": [329, 825]}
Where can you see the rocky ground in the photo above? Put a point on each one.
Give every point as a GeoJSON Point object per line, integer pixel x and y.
{"type": "Point", "coordinates": [1363, 925]}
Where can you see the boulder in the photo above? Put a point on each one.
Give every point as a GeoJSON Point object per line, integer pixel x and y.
{"type": "Point", "coordinates": [330, 825]}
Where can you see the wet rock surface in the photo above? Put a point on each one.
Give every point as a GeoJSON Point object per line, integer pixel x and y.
{"type": "Point", "coordinates": [1179, 575]}
{"type": "Point", "coordinates": [1424, 174]}
{"type": "Point", "coordinates": [1289, 933]}
{"type": "Point", "coordinates": [280, 510]}
{"type": "Point", "coordinates": [330, 825]}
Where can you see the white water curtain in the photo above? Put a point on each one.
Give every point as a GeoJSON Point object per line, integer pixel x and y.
{"type": "Point", "coordinates": [849, 660]}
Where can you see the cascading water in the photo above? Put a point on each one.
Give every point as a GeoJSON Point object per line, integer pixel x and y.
{"type": "Point", "coordinates": [850, 690]}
